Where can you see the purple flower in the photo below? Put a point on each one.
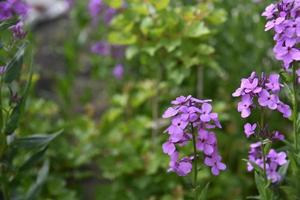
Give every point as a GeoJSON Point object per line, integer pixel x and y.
{"type": "Point", "coordinates": [169, 148]}
{"type": "Point", "coordinates": [286, 54]}
{"type": "Point", "coordinates": [96, 7]}
{"type": "Point", "coordinates": [170, 112]}
{"type": "Point", "coordinates": [267, 99]}
{"type": "Point", "coordinates": [206, 141]}
{"type": "Point", "coordinates": [278, 136]}
{"type": "Point", "coordinates": [101, 48]}
{"type": "Point", "coordinates": [6, 11]}
{"type": "Point", "coordinates": [279, 158]}
{"type": "Point", "coordinates": [118, 71]}
{"type": "Point", "coordinates": [10, 8]}
{"type": "Point", "coordinates": [270, 10]}
{"type": "Point", "coordinates": [249, 129]}
{"type": "Point", "coordinates": [206, 112]}
{"type": "Point", "coordinates": [215, 163]}
{"type": "Point", "coordinates": [273, 83]}
{"type": "Point", "coordinates": [109, 14]}
{"type": "Point", "coordinates": [18, 30]}
{"type": "Point", "coordinates": [181, 100]}
{"type": "Point", "coordinates": [181, 167]}
{"type": "Point", "coordinates": [2, 70]}
{"type": "Point", "coordinates": [191, 114]}
{"type": "Point", "coordinates": [244, 106]}
{"type": "Point", "coordinates": [272, 173]}
{"type": "Point", "coordinates": [284, 109]}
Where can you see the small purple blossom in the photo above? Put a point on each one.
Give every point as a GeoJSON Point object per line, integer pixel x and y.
{"type": "Point", "coordinates": [96, 7]}
{"type": "Point", "coordinates": [249, 129]}
{"type": "Point", "coordinates": [102, 48]}
{"type": "Point", "coordinates": [188, 114]}
{"type": "Point", "coordinates": [277, 136]}
{"type": "Point", "coordinates": [109, 14]}
{"type": "Point", "coordinates": [18, 30]}
{"type": "Point", "coordinates": [206, 142]}
{"type": "Point", "coordinates": [118, 71]}
{"type": "Point", "coordinates": [215, 163]}
{"type": "Point", "coordinates": [2, 70]}
{"type": "Point", "coordinates": [244, 106]}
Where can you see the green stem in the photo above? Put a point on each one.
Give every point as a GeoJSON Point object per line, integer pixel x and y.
{"type": "Point", "coordinates": [262, 125]}
{"type": "Point", "coordinates": [195, 167]}
{"type": "Point", "coordinates": [295, 107]}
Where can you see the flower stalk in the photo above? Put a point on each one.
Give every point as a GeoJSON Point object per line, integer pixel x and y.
{"type": "Point", "coordinates": [195, 167]}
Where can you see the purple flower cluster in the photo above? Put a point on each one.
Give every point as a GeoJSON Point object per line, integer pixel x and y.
{"type": "Point", "coordinates": [283, 18]}
{"type": "Point", "coordinates": [189, 114]}
{"type": "Point", "coordinates": [273, 160]}
{"type": "Point", "coordinates": [11, 8]}
{"type": "Point", "coordinates": [266, 89]}
{"type": "Point", "coordinates": [98, 8]}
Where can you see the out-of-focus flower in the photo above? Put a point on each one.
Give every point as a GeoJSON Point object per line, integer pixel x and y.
{"type": "Point", "coordinates": [18, 30]}
{"type": "Point", "coordinates": [2, 70]}
{"type": "Point", "coordinates": [118, 51]}
{"type": "Point", "coordinates": [12, 8]}
{"type": "Point", "coordinates": [118, 71]}
{"type": "Point", "coordinates": [101, 48]}
{"type": "Point", "coordinates": [96, 7]}
{"type": "Point", "coordinates": [109, 14]}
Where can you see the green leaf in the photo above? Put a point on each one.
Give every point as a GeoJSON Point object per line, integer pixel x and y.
{"type": "Point", "coordinates": [203, 194]}
{"type": "Point", "coordinates": [283, 169]}
{"type": "Point", "coordinates": [32, 160]}
{"type": "Point", "coordinates": [196, 29]}
{"type": "Point", "coordinates": [8, 23]}
{"type": "Point", "coordinates": [120, 38]}
{"type": "Point", "coordinates": [131, 51]}
{"type": "Point", "coordinates": [160, 4]}
{"type": "Point", "coordinates": [260, 184]}
{"type": "Point", "coordinates": [262, 187]}
{"type": "Point", "coordinates": [35, 141]}
{"type": "Point", "coordinates": [13, 68]}
{"type": "Point", "coordinates": [217, 17]}
{"type": "Point", "coordinates": [13, 121]}
{"type": "Point", "coordinates": [114, 3]}
{"type": "Point", "coordinates": [41, 178]}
